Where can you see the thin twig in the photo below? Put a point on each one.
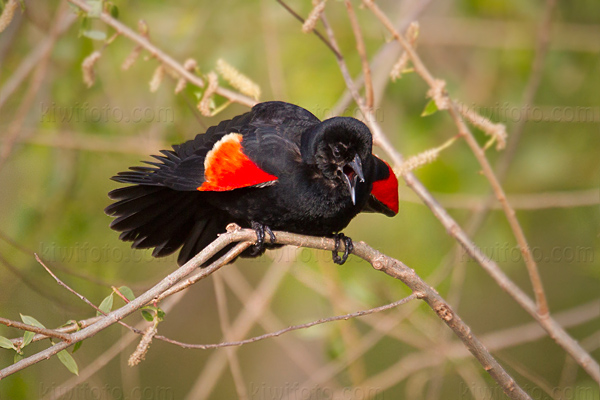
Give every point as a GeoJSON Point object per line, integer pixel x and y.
{"type": "Point", "coordinates": [38, 288]}
{"type": "Point", "coordinates": [291, 328]}
{"type": "Point", "coordinates": [362, 52]}
{"type": "Point", "coordinates": [254, 308]}
{"type": "Point", "coordinates": [560, 335]}
{"type": "Point", "coordinates": [116, 315]}
{"type": "Point", "coordinates": [14, 129]}
{"type": "Point", "coordinates": [162, 56]}
{"type": "Point", "coordinates": [35, 329]}
{"type": "Point", "coordinates": [107, 354]}
{"type": "Point", "coordinates": [494, 341]}
{"type": "Point", "coordinates": [555, 330]}
{"type": "Point", "coordinates": [421, 69]}
{"type": "Point", "coordinates": [69, 328]}
{"type": "Point", "coordinates": [316, 32]}
{"type": "Point", "coordinates": [234, 362]}
{"type": "Point", "coordinates": [379, 261]}
{"type": "Point", "coordinates": [295, 349]}
{"type": "Point", "coordinates": [385, 57]}
{"type": "Point", "coordinates": [33, 59]}
{"type": "Point", "coordinates": [198, 275]}
{"type": "Point", "coordinates": [81, 297]}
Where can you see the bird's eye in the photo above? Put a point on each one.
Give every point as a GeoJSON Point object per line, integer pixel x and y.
{"type": "Point", "coordinates": [336, 151]}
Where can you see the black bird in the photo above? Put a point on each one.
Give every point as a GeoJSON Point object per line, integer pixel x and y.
{"type": "Point", "coordinates": [276, 167]}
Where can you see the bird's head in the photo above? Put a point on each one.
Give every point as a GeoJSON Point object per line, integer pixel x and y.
{"type": "Point", "coordinates": [339, 147]}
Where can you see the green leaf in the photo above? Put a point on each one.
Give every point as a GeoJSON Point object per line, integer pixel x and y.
{"type": "Point", "coordinates": [106, 305]}
{"type": "Point", "coordinates": [6, 343]}
{"type": "Point", "coordinates": [127, 292]}
{"type": "Point", "coordinates": [335, 349]}
{"type": "Point", "coordinates": [18, 357]}
{"type": "Point", "coordinates": [76, 347]}
{"type": "Point", "coordinates": [430, 108]}
{"type": "Point", "coordinates": [71, 322]}
{"type": "Point", "coordinates": [31, 321]}
{"type": "Point", "coordinates": [94, 35]}
{"type": "Point", "coordinates": [114, 11]}
{"type": "Point", "coordinates": [147, 315]}
{"type": "Point", "coordinates": [68, 361]}
{"type": "Point", "coordinates": [197, 93]}
{"type": "Point", "coordinates": [27, 338]}
{"type": "Point", "coordinates": [160, 314]}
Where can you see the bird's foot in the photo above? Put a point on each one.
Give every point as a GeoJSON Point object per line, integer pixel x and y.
{"type": "Point", "coordinates": [260, 230]}
{"type": "Point", "coordinates": [348, 247]}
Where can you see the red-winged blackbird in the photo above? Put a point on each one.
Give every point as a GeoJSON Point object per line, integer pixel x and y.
{"type": "Point", "coordinates": [275, 167]}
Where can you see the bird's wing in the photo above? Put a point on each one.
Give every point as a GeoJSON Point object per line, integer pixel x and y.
{"type": "Point", "coordinates": [384, 194]}
{"type": "Point", "coordinates": [252, 149]}
{"type": "Point", "coordinates": [273, 137]}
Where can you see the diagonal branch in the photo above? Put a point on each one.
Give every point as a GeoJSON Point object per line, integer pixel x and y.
{"type": "Point", "coordinates": [162, 56]}
{"type": "Point", "coordinates": [295, 327]}
{"type": "Point", "coordinates": [380, 261]}
{"type": "Point", "coordinates": [30, 328]}
{"type": "Point", "coordinates": [554, 329]}
{"type": "Point", "coordinates": [453, 109]}
{"type": "Point", "coordinates": [362, 52]}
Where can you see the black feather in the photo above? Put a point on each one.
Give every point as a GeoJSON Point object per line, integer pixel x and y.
{"type": "Point", "coordinates": [164, 210]}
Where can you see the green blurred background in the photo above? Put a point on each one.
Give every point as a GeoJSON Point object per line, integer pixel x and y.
{"type": "Point", "coordinates": [69, 140]}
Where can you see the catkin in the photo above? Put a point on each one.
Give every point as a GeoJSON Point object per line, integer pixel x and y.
{"type": "Point", "coordinates": [8, 14]}
{"type": "Point", "coordinates": [313, 17]}
{"type": "Point", "coordinates": [238, 80]}
{"type": "Point", "coordinates": [204, 104]}
{"type": "Point", "coordinates": [87, 67]}
{"type": "Point", "coordinates": [142, 348]}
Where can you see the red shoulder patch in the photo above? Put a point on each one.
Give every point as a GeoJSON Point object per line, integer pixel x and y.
{"type": "Point", "coordinates": [386, 190]}
{"type": "Point", "coordinates": [226, 167]}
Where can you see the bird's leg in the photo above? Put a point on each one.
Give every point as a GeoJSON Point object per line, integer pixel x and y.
{"type": "Point", "coordinates": [348, 247]}
{"type": "Point", "coordinates": [260, 230]}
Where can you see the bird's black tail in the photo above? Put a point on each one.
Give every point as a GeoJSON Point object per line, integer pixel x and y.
{"type": "Point", "coordinates": [166, 219]}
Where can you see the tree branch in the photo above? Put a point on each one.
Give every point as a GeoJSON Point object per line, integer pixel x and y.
{"type": "Point", "coordinates": [42, 331]}
{"type": "Point", "coordinates": [379, 261]}
{"type": "Point", "coordinates": [555, 331]}
{"type": "Point", "coordinates": [162, 56]}
{"type": "Point", "coordinates": [295, 327]}
{"type": "Point", "coordinates": [438, 93]}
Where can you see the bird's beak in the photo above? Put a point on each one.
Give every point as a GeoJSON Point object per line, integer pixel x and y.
{"type": "Point", "coordinates": [353, 172]}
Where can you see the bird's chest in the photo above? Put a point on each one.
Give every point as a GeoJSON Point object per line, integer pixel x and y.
{"type": "Point", "coordinates": [295, 204]}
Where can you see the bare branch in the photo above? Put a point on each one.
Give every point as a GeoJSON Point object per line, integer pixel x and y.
{"type": "Point", "coordinates": [555, 330]}
{"type": "Point", "coordinates": [421, 69]}
{"type": "Point", "coordinates": [116, 315]}
{"type": "Point", "coordinates": [297, 327]}
{"type": "Point", "coordinates": [362, 52]}
{"type": "Point", "coordinates": [319, 35]}
{"type": "Point", "coordinates": [162, 56]}
{"type": "Point", "coordinates": [379, 261]}
{"type": "Point", "coordinates": [234, 361]}
{"type": "Point", "coordinates": [35, 329]}
{"type": "Point", "coordinates": [14, 129]}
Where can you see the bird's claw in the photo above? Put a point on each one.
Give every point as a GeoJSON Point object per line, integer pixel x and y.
{"type": "Point", "coordinates": [260, 230]}
{"type": "Point", "coordinates": [348, 247]}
